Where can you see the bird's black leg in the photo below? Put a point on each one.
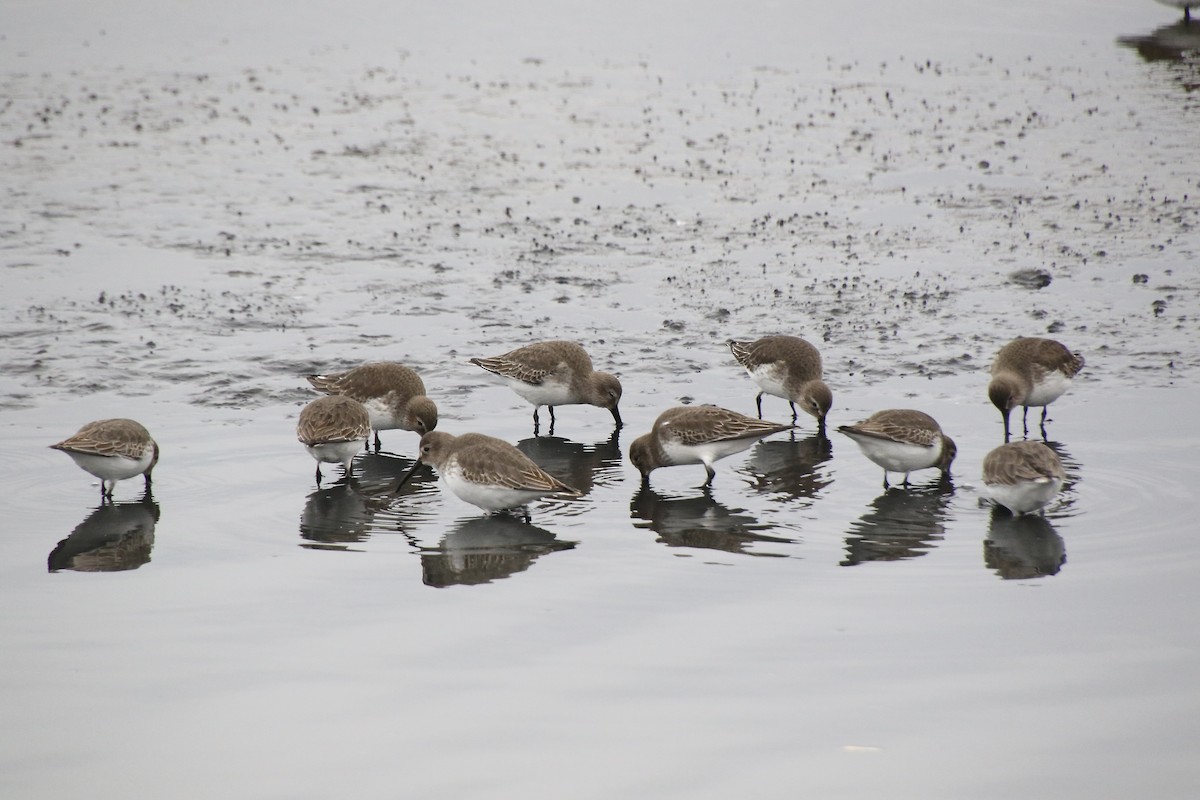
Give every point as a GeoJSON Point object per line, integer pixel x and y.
{"type": "Point", "coordinates": [886, 485]}
{"type": "Point", "coordinates": [1043, 424]}
{"type": "Point", "coordinates": [377, 444]}
{"type": "Point", "coordinates": [712, 473]}
{"type": "Point", "coordinates": [537, 423]}
{"type": "Point", "coordinates": [795, 416]}
{"type": "Point", "coordinates": [1025, 420]}
{"type": "Point", "coordinates": [758, 400]}
{"type": "Point", "coordinates": [318, 473]}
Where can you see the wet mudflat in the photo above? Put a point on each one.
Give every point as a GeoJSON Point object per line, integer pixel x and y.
{"type": "Point", "coordinates": [199, 210]}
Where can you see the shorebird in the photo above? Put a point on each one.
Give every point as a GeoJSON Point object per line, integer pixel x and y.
{"type": "Point", "coordinates": [485, 471]}
{"type": "Point", "coordinates": [1023, 476]}
{"type": "Point", "coordinates": [697, 435]}
{"type": "Point", "coordinates": [333, 430]}
{"type": "Point", "coordinates": [903, 440]}
{"type": "Point", "coordinates": [553, 374]}
{"type": "Point", "coordinates": [787, 367]}
{"type": "Point", "coordinates": [392, 394]}
{"type": "Point", "coordinates": [112, 450]}
{"type": "Point", "coordinates": [1029, 371]}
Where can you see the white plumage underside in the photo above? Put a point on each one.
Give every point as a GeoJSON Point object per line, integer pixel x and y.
{"type": "Point", "coordinates": [381, 416]}
{"type": "Point", "coordinates": [770, 378]}
{"type": "Point", "coordinates": [547, 393]}
{"type": "Point", "coordinates": [898, 456]}
{"type": "Point", "coordinates": [706, 453]}
{"type": "Point", "coordinates": [1052, 387]}
{"type": "Point", "coordinates": [335, 452]}
{"type": "Point", "coordinates": [112, 468]}
{"type": "Point", "coordinates": [1025, 496]}
{"type": "Point", "coordinates": [485, 496]}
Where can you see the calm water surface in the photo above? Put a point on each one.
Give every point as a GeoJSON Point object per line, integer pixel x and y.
{"type": "Point", "coordinates": [201, 207]}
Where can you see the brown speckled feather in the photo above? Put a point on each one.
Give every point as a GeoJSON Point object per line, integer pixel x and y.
{"type": "Point", "coordinates": [334, 418]}
{"type": "Point", "coordinates": [692, 425]}
{"type": "Point", "coordinates": [1034, 357]}
{"type": "Point", "coordinates": [801, 359]}
{"type": "Point", "coordinates": [488, 460]}
{"type": "Point", "coordinates": [1021, 461]}
{"type": "Point", "coordinates": [899, 425]}
{"type": "Point", "coordinates": [536, 362]}
{"type": "Point", "coordinates": [370, 381]}
{"type": "Point", "coordinates": [109, 437]}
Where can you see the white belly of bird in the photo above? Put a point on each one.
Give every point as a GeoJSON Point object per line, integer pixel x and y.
{"type": "Point", "coordinates": [335, 452]}
{"type": "Point", "coordinates": [546, 393]}
{"type": "Point", "coordinates": [112, 468]}
{"type": "Point", "coordinates": [899, 456]}
{"type": "Point", "coordinates": [1025, 496]}
{"type": "Point", "coordinates": [486, 496]}
{"type": "Point", "coordinates": [706, 453]}
{"type": "Point", "coordinates": [381, 416]}
{"type": "Point", "coordinates": [1048, 390]}
{"type": "Point", "coordinates": [770, 378]}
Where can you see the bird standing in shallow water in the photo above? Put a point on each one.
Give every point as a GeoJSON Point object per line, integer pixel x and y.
{"type": "Point", "coordinates": [392, 394]}
{"type": "Point", "coordinates": [112, 450]}
{"type": "Point", "coordinates": [903, 440]}
{"type": "Point", "coordinates": [1023, 476]}
{"type": "Point", "coordinates": [555, 373]}
{"type": "Point", "coordinates": [333, 430]}
{"type": "Point", "coordinates": [1029, 371]}
{"type": "Point", "coordinates": [697, 435]}
{"type": "Point", "coordinates": [485, 471]}
{"type": "Point", "coordinates": [787, 367]}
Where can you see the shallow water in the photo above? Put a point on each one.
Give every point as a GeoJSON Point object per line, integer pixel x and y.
{"type": "Point", "coordinates": [203, 207]}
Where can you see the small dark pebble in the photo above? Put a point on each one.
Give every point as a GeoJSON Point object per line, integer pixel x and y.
{"type": "Point", "coordinates": [1030, 278]}
{"type": "Point", "coordinates": [1141, 277]}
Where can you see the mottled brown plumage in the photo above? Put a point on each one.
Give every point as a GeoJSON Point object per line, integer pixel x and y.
{"type": "Point", "coordinates": [485, 471]}
{"type": "Point", "coordinates": [333, 429]}
{"type": "Point", "coordinates": [903, 440]}
{"type": "Point", "coordinates": [112, 450]}
{"type": "Point", "coordinates": [393, 395]}
{"type": "Point", "coordinates": [555, 373]}
{"type": "Point", "coordinates": [1023, 476]}
{"type": "Point", "coordinates": [1031, 371]}
{"type": "Point", "coordinates": [787, 367]}
{"type": "Point", "coordinates": [697, 435]}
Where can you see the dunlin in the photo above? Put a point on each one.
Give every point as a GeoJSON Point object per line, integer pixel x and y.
{"type": "Point", "coordinates": [485, 471]}
{"type": "Point", "coordinates": [333, 430]}
{"type": "Point", "coordinates": [393, 395]}
{"type": "Point", "coordinates": [697, 435]}
{"type": "Point", "coordinates": [903, 440]}
{"type": "Point", "coordinates": [112, 450]}
{"type": "Point", "coordinates": [787, 367]}
{"type": "Point", "coordinates": [1023, 476]}
{"type": "Point", "coordinates": [555, 374]}
{"type": "Point", "coordinates": [1029, 371]}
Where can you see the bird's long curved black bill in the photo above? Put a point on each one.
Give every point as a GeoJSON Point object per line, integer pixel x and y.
{"type": "Point", "coordinates": [404, 479]}
{"type": "Point", "coordinates": [617, 416]}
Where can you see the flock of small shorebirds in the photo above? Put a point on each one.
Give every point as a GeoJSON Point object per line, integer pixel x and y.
{"type": "Point", "coordinates": [492, 474]}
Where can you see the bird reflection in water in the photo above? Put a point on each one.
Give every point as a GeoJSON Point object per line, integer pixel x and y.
{"type": "Point", "coordinates": [114, 537]}
{"type": "Point", "coordinates": [1169, 43]}
{"type": "Point", "coordinates": [485, 549]}
{"type": "Point", "coordinates": [902, 524]}
{"type": "Point", "coordinates": [338, 515]}
{"type": "Point", "coordinates": [790, 467]}
{"type": "Point", "coordinates": [1022, 546]}
{"type": "Point", "coordinates": [581, 466]}
{"type": "Point", "coordinates": [701, 522]}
